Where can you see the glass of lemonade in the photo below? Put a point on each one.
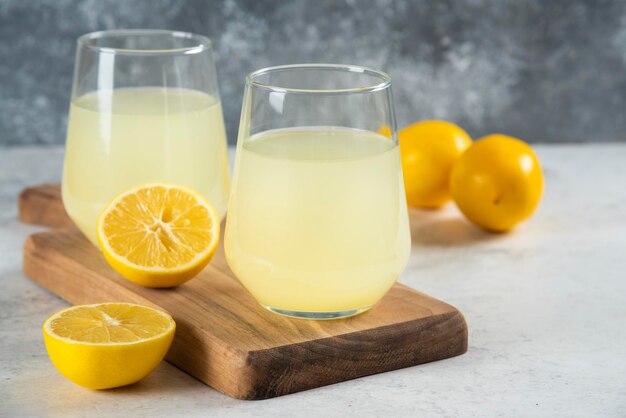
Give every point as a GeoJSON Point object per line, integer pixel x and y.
{"type": "Point", "coordinates": [317, 225]}
{"type": "Point", "coordinates": [145, 108]}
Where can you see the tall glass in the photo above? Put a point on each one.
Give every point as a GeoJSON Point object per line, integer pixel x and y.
{"type": "Point", "coordinates": [317, 225]}
{"type": "Point", "coordinates": [145, 108]}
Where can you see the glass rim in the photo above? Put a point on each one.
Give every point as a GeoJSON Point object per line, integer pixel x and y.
{"type": "Point", "coordinates": [203, 43]}
{"type": "Point", "coordinates": [385, 79]}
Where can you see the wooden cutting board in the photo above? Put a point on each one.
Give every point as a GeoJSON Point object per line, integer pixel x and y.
{"type": "Point", "coordinates": [225, 338]}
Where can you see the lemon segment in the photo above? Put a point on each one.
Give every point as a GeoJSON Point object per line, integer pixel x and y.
{"type": "Point", "coordinates": [107, 345]}
{"type": "Point", "coordinates": [158, 235]}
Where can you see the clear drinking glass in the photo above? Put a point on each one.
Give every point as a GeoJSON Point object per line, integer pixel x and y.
{"type": "Point", "coordinates": [317, 224]}
{"type": "Point", "coordinates": [145, 108]}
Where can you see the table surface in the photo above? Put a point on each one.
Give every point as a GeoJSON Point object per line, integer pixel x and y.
{"type": "Point", "coordinates": [545, 305]}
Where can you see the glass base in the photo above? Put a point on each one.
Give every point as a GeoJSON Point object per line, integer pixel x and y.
{"type": "Point", "coordinates": [317, 315]}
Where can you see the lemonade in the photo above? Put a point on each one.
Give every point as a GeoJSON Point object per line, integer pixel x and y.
{"type": "Point", "coordinates": [317, 219]}
{"type": "Point", "coordinates": [121, 138]}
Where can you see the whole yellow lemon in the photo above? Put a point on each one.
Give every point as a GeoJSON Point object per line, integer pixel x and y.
{"type": "Point", "coordinates": [497, 182]}
{"type": "Point", "coordinates": [429, 150]}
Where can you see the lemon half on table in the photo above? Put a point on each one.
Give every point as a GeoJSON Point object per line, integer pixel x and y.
{"type": "Point", "coordinates": [158, 235]}
{"type": "Point", "coordinates": [108, 345]}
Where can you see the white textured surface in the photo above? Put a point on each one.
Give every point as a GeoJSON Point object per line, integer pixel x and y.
{"type": "Point", "coordinates": [546, 308]}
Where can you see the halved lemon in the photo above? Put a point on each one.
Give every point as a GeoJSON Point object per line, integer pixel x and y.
{"type": "Point", "coordinates": [109, 344]}
{"type": "Point", "coordinates": [158, 235]}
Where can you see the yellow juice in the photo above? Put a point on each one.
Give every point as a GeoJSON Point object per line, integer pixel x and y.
{"type": "Point", "coordinates": [317, 220]}
{"type": "Point", "coordinates": [126, 137]}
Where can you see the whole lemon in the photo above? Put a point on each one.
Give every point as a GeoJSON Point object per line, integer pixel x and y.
{"type": "Point", "coordinates": [497, 182]}
{"type": "Point", "coordinates": [429, 150]}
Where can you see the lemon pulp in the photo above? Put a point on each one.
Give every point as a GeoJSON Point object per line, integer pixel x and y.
{"type": "Point", "coordinates": [158, 235]}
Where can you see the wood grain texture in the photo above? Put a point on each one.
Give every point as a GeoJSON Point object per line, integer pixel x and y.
{"type": "Point", "coordinates": [42, 205]}
{"type": "Point", "coordinates": [227, 340]}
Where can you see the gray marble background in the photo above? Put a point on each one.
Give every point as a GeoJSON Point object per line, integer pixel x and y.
{"type": "Point", "coordinates": [545, 71]}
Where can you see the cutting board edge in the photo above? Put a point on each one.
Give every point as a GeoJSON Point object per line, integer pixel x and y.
{"type": "Point", "coordinates": [42, 205]}
{"type": "Point", "coordinates": [263, 362]}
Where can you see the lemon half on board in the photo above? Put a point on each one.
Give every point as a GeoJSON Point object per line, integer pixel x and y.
{"type": "Point", "coordinates": [107, 345]}
{"type": "Point", "coordinates": [158, 235]}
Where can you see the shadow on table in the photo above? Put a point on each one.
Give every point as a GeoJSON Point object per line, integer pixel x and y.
{"type": "Point", "coordinates": [50, 394]}
{"type": "Point", "coordinates": [166, 379]}
{"type": "Point", "coordinates": [445, 228]}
